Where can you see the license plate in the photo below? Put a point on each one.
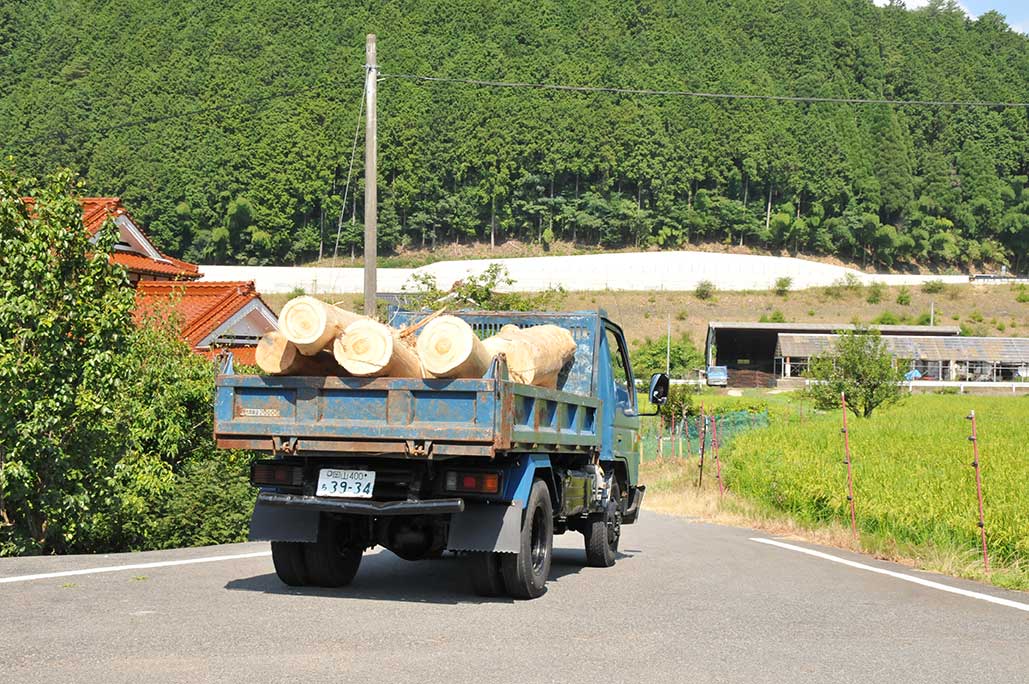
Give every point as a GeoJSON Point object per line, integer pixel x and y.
{"type": "Point", "coordinates": [346, 483]}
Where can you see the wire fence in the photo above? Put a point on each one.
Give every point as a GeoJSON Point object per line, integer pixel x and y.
{"type": "Point", "coordinates": [688, 436]}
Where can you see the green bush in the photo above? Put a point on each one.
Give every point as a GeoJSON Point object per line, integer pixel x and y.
{"type": "Point", "coordinates": [783, 285]}
{"type": "Point", "coordinates": [933, 287]}
{"type": "Point", "coordinates": [705, 290]}
{"type": "Point", "coordinates": [904, 296]}
{"type": "Point", "coordinates": [886, 318]}
{"type": "Point", "coordinates": [875, 293]}
{"type": "Point", "coordinates": [649, 358]}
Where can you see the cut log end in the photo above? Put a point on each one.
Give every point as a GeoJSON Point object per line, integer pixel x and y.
{"type": "Point", "coordinates": [449, 348]}
{"type": "Point", "coordinates": [275, 354]}
{"type": "Point", "coordinates": [312, 324]}
{"type": "Point", "coordinates": [370, 349]}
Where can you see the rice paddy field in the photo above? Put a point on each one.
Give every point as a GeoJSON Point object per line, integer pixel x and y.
{"type": "Point", "coordinates": [915, 489]}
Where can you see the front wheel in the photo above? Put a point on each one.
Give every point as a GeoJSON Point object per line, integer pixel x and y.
{"type": "Point", "coordinates": [603, 531]}
{"type": "Point", "coordinates": [525, 573]}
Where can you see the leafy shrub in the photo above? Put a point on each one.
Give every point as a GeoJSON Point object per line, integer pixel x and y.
{"type": "Point", "coordinates": [976, 316]}
{"type": "Point", "coordinates": [774, 317]}
{"type": "Point", "coordinates": [933, 287]}
{"type": "Point", "coordinates": [904, 296]}
{"type": "Point", "coordinates": [705, 290]}
{"type": "Point", "coordinates": [783, 285]}
{"type": "Point", "coordinates": [886, 318]}
{"type": "Point", "coordinates": [482, 291]}
{"type": "Point", "coordinates": [649, 358]}
{"type": "Point", "coordinates": [1023, 295]}
{"type": "Point", "coordinates": [875, 293]}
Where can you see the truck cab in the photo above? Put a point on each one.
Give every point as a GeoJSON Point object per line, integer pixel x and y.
{"type": "Point", "coordinates": [485, 468]}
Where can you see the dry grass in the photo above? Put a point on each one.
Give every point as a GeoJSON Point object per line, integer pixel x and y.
{"type": "Point", "coordinates": [983, 309]}
{"type": "Point", "coordinates": [671, 489]}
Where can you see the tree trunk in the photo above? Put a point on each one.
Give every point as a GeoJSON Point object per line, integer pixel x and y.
{"type": "Point", "coordinates": [768, 208]}
{"type": "Point", "coordinates": [368, 348]}
{"type": "Point", "coordinates": [312, 324]}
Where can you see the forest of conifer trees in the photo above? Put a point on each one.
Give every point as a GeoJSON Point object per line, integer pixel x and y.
{"type": "Point", "coordinates": [227, 127]}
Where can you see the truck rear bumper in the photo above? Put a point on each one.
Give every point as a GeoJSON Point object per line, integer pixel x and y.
{"type": "Point", "coordinates": [358, 507]}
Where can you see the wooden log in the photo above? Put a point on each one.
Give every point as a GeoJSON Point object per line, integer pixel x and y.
{"type": "Point", "coordinates": [368, 348]}
{"type": "Point", "coordinates": [449, 348]}
{"type": "Point", "coordinates": [278, 356]}
{"type": "Point", "coordinates": [312, 324]}
{"type": "Point", "coordinates": [536, 355]}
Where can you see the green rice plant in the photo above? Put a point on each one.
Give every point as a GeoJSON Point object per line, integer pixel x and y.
{"type": "Point", "coordinates": [913, 483]}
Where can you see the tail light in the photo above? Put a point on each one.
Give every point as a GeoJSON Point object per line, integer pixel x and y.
{"type": "Point", "coordinates": [274, 474]}
{"type": "Point", "coordinates": [478, 483]}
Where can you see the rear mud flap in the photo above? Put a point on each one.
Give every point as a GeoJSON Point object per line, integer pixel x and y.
{"type": "Point", "coordinates": [632, 512]}
{"type": "Point", "coordinates": [280, 523]}
{"type": "Point", "coordinates": [486, 527]}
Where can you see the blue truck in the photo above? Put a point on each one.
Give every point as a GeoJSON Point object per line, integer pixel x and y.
{"type": "Point", "coordinates": [483, 467]}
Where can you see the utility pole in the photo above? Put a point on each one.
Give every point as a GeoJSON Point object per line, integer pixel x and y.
{"type": "Point", "coordinates": [371, 199]}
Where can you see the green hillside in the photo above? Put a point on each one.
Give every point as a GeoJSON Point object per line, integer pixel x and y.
{"type": "Point", "coordinates": [252, 108]}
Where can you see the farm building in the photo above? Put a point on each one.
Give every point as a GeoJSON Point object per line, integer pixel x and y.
{"type": "Point", "coordinates": [748, 350]}
{"type": "Point", "coordinates": [960, 359]}
{"type": "Point", "coordinates": [210, 316]}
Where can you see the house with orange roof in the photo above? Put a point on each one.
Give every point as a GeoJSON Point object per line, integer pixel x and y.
{"type": "Point", "coordinates": [134, 251]}
{"type": "Point", "coordinates": [212, 316]}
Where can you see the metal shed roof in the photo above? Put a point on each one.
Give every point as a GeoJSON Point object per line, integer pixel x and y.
{"type": "Point", "coordinates": [923, 348]}
{"type": "Point", "coordinates": [926, 330]}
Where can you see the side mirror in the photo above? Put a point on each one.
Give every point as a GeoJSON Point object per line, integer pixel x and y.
{"type": "Point", "coordinates": [658, 389]}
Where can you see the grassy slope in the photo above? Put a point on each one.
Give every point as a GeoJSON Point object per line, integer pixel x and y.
{"type": "Point", "coordinates": [914, 489]}
{"type": "Point", "coordinates": [643, 314]}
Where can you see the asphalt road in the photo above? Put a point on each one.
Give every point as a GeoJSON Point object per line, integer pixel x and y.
{"type": "Point", "coordinates": [685, 602]}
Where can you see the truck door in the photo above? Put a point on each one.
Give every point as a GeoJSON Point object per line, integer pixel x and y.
{"type": "Point", "coordinates": [625, 422]}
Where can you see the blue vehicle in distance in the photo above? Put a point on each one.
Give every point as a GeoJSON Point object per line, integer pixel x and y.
{"type": "Point", "coordinates": [484, 467]}
{"type": "Point", "coordinates": [717, 376]}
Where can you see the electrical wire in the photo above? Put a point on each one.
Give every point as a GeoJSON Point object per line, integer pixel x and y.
{"type": "Point", "coordinates": [346, 188]}
{"type": "Point", "coordinates": [707, 95]}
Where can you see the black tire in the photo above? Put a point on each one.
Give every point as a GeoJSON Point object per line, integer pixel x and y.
{"type": "Point", "coordinates": [288, 558]}
{"type": "Point", "coordinates": [331, 561]}
{"type": "Point", "coordinates": [603, 532]}
{"type": "Point", "coordinates": [484, 569]}
{"type": "Point", "coordinates": [525, 573]}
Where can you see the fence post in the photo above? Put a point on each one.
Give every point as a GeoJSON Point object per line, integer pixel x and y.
{"type": "Point", "coordinates": [702, 432]}
{"type": "Point", "coordinates": [718, 462]}
{"type": "Point", "coordinates": [974, 439]}
{"type": "Point", "coordinates": [846, 459]}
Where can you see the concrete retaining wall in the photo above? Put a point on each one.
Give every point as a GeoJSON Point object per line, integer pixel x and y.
{"type": "Point", "coordinates": [640, 271]}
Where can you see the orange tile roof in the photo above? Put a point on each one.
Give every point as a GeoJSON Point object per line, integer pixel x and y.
{"type": "Point", "coordinates": [96, 210]}
{"type": "Point", "coordinates": [202, 306]}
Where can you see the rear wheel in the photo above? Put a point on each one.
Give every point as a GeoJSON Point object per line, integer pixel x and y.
{"type": "Point", "coordinates": [603, 531]}
{"type": "Point", "coordinates": [333, 560]}
{"type": "Point", "coordinates": [525, 573]}
{"type": "Point", "coordinates": [288, 558]}
{"type": "Point", "coordinates": [484, 569]}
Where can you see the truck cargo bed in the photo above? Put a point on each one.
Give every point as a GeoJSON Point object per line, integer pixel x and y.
{"type": "Point", "coordinates": [411, 416]}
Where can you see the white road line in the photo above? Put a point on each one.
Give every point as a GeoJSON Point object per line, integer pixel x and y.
{"type": "Point", "coordinates": [135, 566]}
{"type": "Point", "coordinates": [897, 575]}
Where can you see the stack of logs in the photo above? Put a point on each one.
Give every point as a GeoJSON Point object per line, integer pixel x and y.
{"type": "Point", "coordinates": [317, 338]}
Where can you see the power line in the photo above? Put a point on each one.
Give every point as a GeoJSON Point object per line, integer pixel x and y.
{"type": "Point", "coordinates": [706, 95]}
{"type": "Point", "coordinates": [157, 118]}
